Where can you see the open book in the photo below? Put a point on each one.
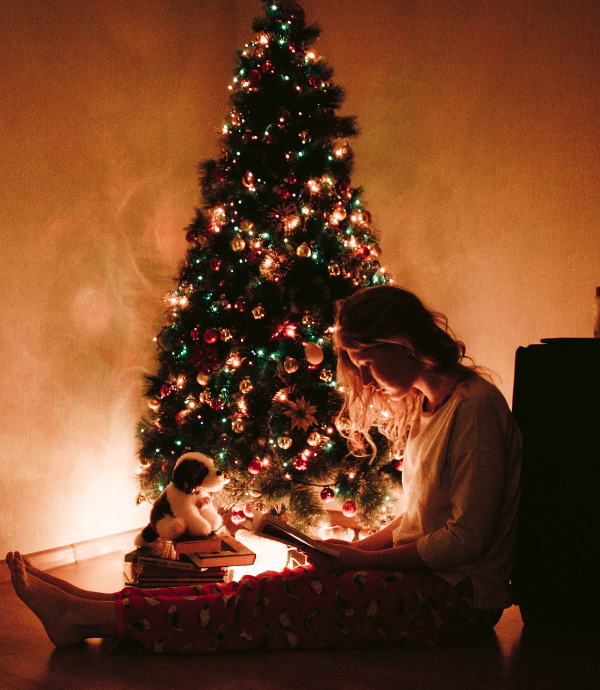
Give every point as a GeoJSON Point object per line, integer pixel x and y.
{"type": "Point", "coordinates": [274, 528]}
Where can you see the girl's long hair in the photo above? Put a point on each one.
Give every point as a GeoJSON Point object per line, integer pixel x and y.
{"type": "Point", "coordinates": [387, 314]}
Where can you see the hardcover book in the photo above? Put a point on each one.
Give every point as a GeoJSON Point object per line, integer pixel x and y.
{"type": "Point", "coordinates": [278, 530]}
{"type": "Point", "coordinates": [232, 553]}
{"type": "Point", "coordinates": [198, 545]}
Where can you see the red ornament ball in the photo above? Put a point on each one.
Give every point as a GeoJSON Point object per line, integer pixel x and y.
{"type": "Point", "coordinates": [219, 173]}
{"type": "Point", "coordinates": [255, 466]}
{"type": "Point", "coordinates": [349, 509]}
{"type": "Point", "coordinates": [238, 518]}
{"type": "Point", "coordinates": [211, 336]}
{"type": "Point", "coordinates": [165, 390]}
{"type": "Point", "coordinates": [301, 463]}
{"type": "Point", "coordinates": [195, 334]}
{"type": "Point", "coordinates": [398, 463]}
{"type": "Point", "coordinates": [214, 264]}
{"type": "Point", "coordinates": [254, 257]}
{"type": "Point", "coordinates": [191, 236]}
{"type": "Point", "coordinates": [327, 495]}
{"type": "Point", "coordinates": [315, 81]}
{"type": "Point", "coordinates": [254, 76]}
{"type": "Point", "coordinates": [267, 67]}
{"type": "Point", "coordinates": [248, 510]}
{"type": "Point", "coordinates": [269, 138]}
{"type": "Point", "coordinates": [240, 305]}
{"type": "Point", "coordinates": [283, 193]}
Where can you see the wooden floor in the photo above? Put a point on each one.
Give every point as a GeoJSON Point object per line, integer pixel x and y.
{"type": "Point", "coordinates": [516, 658]}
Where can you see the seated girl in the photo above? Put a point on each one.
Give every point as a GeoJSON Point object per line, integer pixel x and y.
{"type": "Point", "coordinates": [437, 575]}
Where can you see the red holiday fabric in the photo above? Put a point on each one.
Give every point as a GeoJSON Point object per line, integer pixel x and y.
{"type": "Point", "coordinates": [301, 609]}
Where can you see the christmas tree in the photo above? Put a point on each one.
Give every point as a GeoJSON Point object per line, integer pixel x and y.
{"type": "Point", "coordinates": [246, 364]}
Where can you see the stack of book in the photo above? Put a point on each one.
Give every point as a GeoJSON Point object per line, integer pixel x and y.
{"type": "Point", "coordinates": [186, 562]}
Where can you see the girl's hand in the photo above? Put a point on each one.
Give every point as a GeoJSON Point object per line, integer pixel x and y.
{"type": "Point", "coordinates": [348, 558]}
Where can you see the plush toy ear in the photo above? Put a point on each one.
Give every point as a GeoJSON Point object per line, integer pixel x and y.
{"type": "Point", "coordinates": [188, 474]}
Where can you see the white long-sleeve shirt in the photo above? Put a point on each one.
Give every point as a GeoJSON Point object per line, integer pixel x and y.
{"type": "Point", "coordinates": [461, 479]}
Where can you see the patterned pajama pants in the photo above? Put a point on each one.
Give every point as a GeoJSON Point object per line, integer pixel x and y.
{"type": "Point", "coordinates": [301, 609]}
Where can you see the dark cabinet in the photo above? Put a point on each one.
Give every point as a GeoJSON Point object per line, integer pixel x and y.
{"type": "Point", "coordinates": [556, 403]}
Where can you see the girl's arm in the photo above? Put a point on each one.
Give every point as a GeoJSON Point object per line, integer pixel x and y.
{"type": "Point", "coordinates": [378, 541]}
{"type": "Point", "coordinates": [402, 557]}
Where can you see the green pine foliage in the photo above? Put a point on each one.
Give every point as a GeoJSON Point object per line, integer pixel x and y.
{"type": "Point", "coordinates": [246, 369]}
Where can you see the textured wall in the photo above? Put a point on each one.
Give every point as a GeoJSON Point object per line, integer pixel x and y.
{"type": "Point", "coordinates": [478, 154]}
{"type": "Point", "coordinates": [107, 107]}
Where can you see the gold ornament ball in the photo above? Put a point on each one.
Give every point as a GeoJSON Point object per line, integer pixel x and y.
{"type": "Point", "coordinates": [238, 425]}
{"type": "Point", "coordinates": [303, 251]}
{"type": "Point", "coordinates": [225, 334]}
{"type": "Point", "coordinates": [308, 319]}
{"type": "Point", "coordinates": [247, 225]}
{"type": "Point", "coordinates": [290, 365]}
{"type": "Point", "coordinates": [154, 403]}
{"type": "Point", "coordinates": [341, 150]}
{"type": "Point", "coordinates": [246, 385]}
{"type": "Point", "coordinates": [334, 270]}
{"type": "Point", "coordinates": [238, 244]}
{"type": "Point", "coordinates": [284, 442]}
{"type": "Point", "coordinates": [313, 439]}
{"type": "Point", "coordinates": [202, 379]}
{"type": "Point", "coordinates": [314, 353]}
{"type": "Point", "coordinates": [258, 312]}
{"type": "Point", "coordinates": [339, 213]}
{"type": "Point", "coordinates": [326, 375]}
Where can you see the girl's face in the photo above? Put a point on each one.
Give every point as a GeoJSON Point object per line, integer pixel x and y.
{"type": "Point", "coordinates": [390, 368]}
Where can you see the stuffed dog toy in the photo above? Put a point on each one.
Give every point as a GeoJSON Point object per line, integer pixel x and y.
{"type": "Point", "coordinates": [185, 505]}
